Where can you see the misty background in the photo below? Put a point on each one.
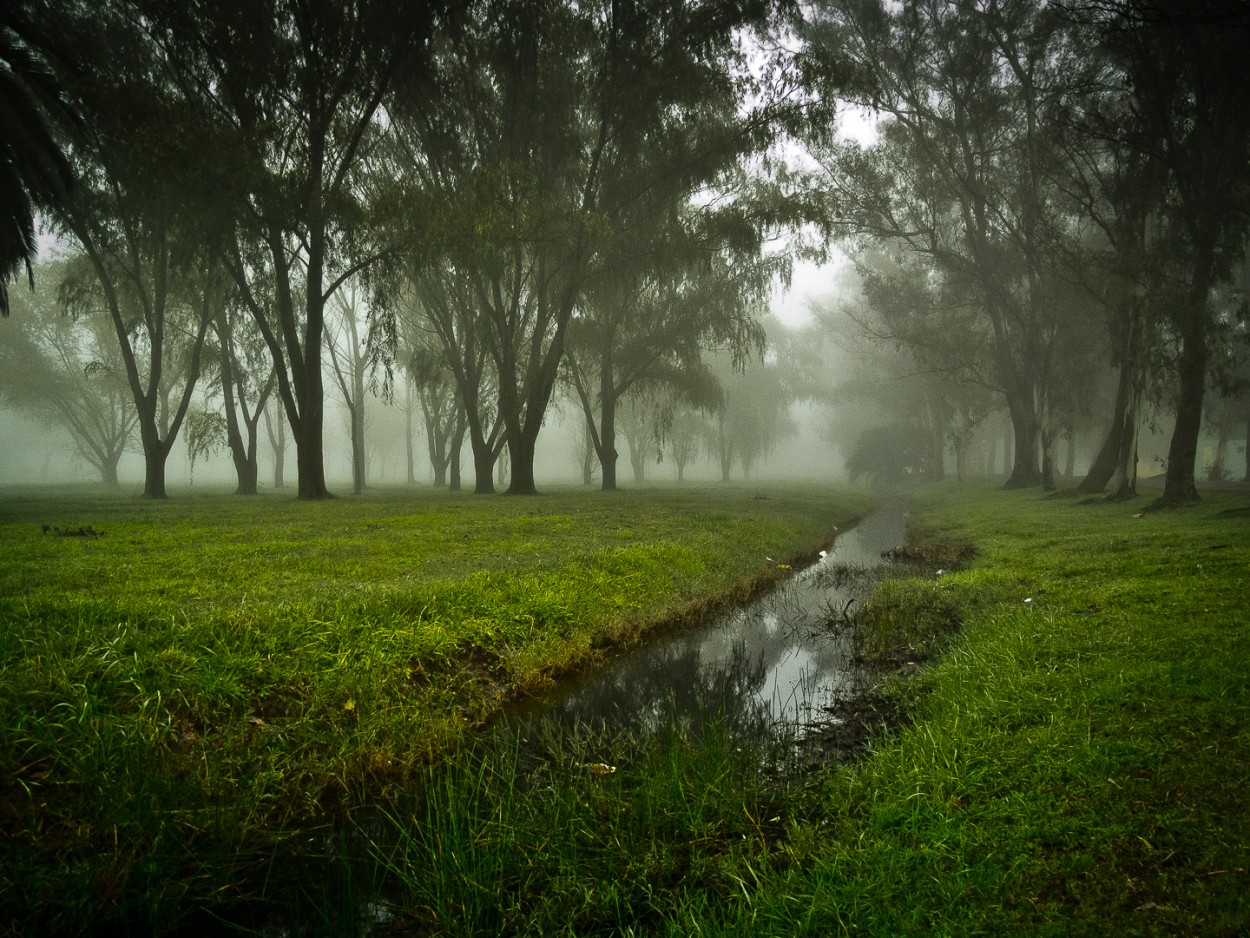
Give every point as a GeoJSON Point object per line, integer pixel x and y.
{"type": "Point", "coordinates": [494, 245]}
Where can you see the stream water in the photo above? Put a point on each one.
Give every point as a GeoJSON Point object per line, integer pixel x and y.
{"type": "Point", "coordinates": [771, 663]}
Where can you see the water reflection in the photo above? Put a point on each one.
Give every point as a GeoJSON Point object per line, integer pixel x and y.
{"type": "Point", "coordinates": [773, 663]}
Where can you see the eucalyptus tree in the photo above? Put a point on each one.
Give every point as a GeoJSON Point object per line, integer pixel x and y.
{"type": "Point", "coordinates": [292, 92]}
{"type": "Point", "coordinates": [444, 418]}
{"type": "Point", "coordinates": [535, 138]}
{"type": "Point", "coordinates": [442, 305]}
{"type": "Point", "coordinates": [1185, 77]}
{"type": "Point", "coordinates": [68, 369]}
{"type": "Point", "coordinates": [962, 175]}
{"type": "Point", "coordinates": [753, 414]}
{"type": "Point", "coordinates": [138, 230]}
{"type": "Point", "coordinates": [646, 319]}
{"type": "Point", "coordinates": [345, 338]}
{"type": "Point", "coordinates": [920, 354]}
{"type": "Point", "coordinates": [245, 379]}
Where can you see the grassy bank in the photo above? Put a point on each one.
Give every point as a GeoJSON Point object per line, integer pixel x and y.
{"type": "Point", "coordinates": [1077, 763]}
{"type": "Point", "coordinates": [181, 680]}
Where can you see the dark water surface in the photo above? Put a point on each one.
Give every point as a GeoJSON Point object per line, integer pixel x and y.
{"type": "Point", "coordinates": [774, 660]}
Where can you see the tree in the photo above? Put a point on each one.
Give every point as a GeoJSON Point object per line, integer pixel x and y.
{"type": "Point", "coordinates": [245, 379]}
{"type": "Point", "coordinates": [444, 417]}
{"type": "Point", "coordinates": [1184, 70]}
{"type": "Point", "coordinates": [961, 176]}
{"type": "Point", "coordinates": [754, 413]}
{"type": "Point", "coordinates": [646, 325]}
{"type": "Point", "coordinates": [34, 172]}
{"type": "Point", "coordinates": [69, 369]}
{"type": "Point", "coordinates": [292, 90]}
{"type": "Point", "coordinates": [538, 139]}
{"type": "Point", "coordinates": [139, 234]}
{"type": "Point", "coordinates": [349, 360]}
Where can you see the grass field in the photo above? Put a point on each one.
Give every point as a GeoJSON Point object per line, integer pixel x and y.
{"type": "Point", "coordinates": [1076, 759]}
{"type": "Point", "coordinates": [1077, 762]}
{"type": "Point", "coordinates": [181, 681]}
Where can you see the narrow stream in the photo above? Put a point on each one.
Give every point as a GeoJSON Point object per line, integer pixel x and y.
{"type": "Point", "coordinates": [767, 670]}
{"type": "Point", "coordinates": [772, 662]}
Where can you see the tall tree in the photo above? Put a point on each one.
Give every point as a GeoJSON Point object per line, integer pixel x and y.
{"type": "Point", "coordinates": [138, 232]}
{"type": "Point", "coordinates": [1184, 69]}
{"type": "Point", "coordinates": [539, 138]}
{"type": "Point", "coordinates": [962, 173]}
{"type": "Point", "coordinates": [293, 90]}
{"type": "Point", "coordinates": [245, 379]}
{"type": "Point", "coordinates": [647, 320]}
{"type": "Point", "coordinates": [69, 369]}
{"type": "Point", "coordinates": [349, 360]}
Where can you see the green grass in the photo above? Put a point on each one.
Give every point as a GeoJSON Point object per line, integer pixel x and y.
{"type": "Point", "coordinates": [1077, 758]}
{"type": "Point", "coordinates": [176, 694]}
{"type": "Point", "coordinates": [1077, 763]}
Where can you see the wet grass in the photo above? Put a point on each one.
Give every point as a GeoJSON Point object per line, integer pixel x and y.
{"type": "Point", "coordinates": [183, 689]}
{"type": "Point", "coordinates": [1076, 761]}
{"type": "Point", "coordinates": [1075, 758]}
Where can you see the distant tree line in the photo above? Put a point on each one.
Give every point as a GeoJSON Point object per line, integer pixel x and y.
{"type": "Point", "coordinates": [483, 205]}
{"type": "Point", "coordinates": [1057, 187]}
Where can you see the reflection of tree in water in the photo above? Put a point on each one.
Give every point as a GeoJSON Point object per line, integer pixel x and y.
{"type": "Point", "coordinates": [677, 680]}
{"type": "Point", "coordinates": [768, 668]}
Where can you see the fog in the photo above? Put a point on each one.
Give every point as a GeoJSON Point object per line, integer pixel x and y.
{"type": "Point", "coordinates": [500, 246]}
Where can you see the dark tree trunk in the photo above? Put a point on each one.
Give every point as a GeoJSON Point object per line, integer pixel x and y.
{"type": "Point", "coordinates": [483, 462]}
{"type": "Point", "coordinates": [1179, 487]}
{"type": "Point", "coordinates": [1024, 435]}
{"type": "Point", "coordinates": [154, 457]}
{"type": "Point", "coordinates": [521, 465]}
{"type": "Point", "coordinates": [309, 447]}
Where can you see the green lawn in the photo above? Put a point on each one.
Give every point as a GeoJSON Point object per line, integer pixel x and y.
{"type": "Point", "coordinates": [1076, 759]}
{"type": "Point", "coordinates": [211, 669]}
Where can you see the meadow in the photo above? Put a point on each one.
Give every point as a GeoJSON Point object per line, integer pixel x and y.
{"type": "Point", "coordinates": [185, 682]}
{"type": "Point", "coordinates": [178, 694]}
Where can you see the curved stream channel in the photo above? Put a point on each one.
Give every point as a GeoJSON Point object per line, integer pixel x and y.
{"type": "Point", "coordinates": [773, 664]}
{"type": "Point", "coordinates": [773, 669]}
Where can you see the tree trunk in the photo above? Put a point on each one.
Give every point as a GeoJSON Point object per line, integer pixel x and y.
{"type": "Point", "coordinates": [483, 460]}
{"type": "Point", "coordinates": [1024, 434]}
{"type": "Point", "coordinates": [108, 471]}
{"type": "Point", "coordinates": [1216, 471]}
{"type": "Point", "coordinates": [1116, 462]}
{"type": "Point", "coordinates": [278, 440]}
{"type": "Point", "coordinates": [357, 423]}
{"type": "Point", "coordinates": [521, 465]}
{"type": "Point", "coordinates": [409, 452]}
{"type": "Point", "coordinates": [638, 464]}
{"type": "Point", "coordinates": [1179, 487]}
{"type": "Point", "coordinates": [154, 456]}
{"type": "Point", "coordinates": [453, 461]}
{"type": "Point", "coordinates": [608, 454]}
{"type": "Point", "coordinates": [309, 447]}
